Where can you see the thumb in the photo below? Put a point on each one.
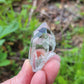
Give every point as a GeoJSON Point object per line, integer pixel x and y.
{"type": "Point", "coordinates": [24, 76]}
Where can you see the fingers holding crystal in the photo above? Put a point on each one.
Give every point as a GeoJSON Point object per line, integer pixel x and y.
{"type": "Point", "coordinates": [51, 70]}
{"type": "Point", "coordinates": [39, 78]}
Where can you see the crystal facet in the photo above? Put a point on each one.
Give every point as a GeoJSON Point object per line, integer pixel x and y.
{"type": "Point", "coordinates": [42, 47]}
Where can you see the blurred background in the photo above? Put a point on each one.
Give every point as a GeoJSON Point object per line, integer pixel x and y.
{"type": "Point", "coordinates": [18, 20]}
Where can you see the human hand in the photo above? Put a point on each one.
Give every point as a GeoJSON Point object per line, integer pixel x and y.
{"type": "Point", "coordinates": [45, 76]}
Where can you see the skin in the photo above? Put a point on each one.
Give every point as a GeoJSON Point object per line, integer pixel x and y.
{"type": "Point", "coordinates": [45, 76]}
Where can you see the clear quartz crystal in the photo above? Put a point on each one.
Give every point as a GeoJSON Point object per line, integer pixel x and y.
{"type": "Point", "coordinates": [42, 47]}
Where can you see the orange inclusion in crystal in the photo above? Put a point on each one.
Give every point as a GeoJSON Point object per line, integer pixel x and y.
{"type": "Point", "coordinates": [40, 52]}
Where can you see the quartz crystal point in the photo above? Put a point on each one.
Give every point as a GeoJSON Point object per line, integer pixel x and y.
{"type": "Point", "coordinates": [42, 47]}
